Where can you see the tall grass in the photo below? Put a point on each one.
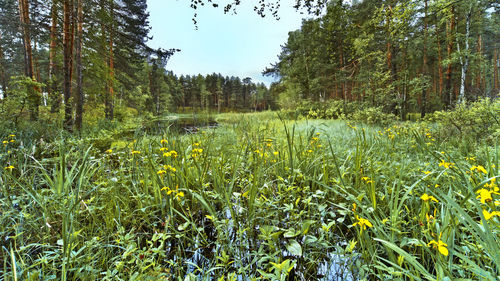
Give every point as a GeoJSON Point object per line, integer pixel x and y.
{"type": "Point", "coordinates": [257, 197]}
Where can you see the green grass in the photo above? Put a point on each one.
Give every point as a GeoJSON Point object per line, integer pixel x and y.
{"type": "Point", "coordinates": [257, 197]}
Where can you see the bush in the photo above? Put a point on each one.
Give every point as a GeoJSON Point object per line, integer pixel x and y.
{"type": "Point", "coordinates": [477, 120]}
{"type": "Point", "coordinates": [373, 116]}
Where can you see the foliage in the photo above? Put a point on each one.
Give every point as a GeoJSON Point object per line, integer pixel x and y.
{"type": "Point", "coordinates": [257, 197]}
{"type": "Point", "coordinates": [477, 120]}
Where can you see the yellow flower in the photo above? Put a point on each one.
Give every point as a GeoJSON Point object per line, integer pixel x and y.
{"type": "Point", "coordinates": [487, 215]}
{"type": "Point", "coordinates": [169, 191]}
{"type": "Point", "coordinates": [170, 168]}
{"type": "Point", "coordinates": [109, 151]}
{"type": "Point", "coordinates": [367, 179]}
{"type": "Point", "coordinates": [426, 172]}
{"type": "Point", "coordinates": [485, 195]}
{"type": "Point", "coordinates": [12, 136]}
{"type": "Point", "coordinates": [171, 153]}
{"type": "Point", "coordinates": [479, 169]}
{"type": "Point", "coordinates": [161, 172]}
{"type": "Point", "coordinates": [5, 142]}
{"type": "Point", "coordinates": [425, 197]}
{"type": "Point", "coordinates": [135, 152]}
{"type": "Point", "coordinates": [196, 144]}
{"type": "Point", "coordinates": [163, 149]}
{"type": "Point", "coordinates": [163, 141]}
{"type": "Point", "coordinates": [447, 165]}
{"type": "Point", "coordinates": [12, 140]}
{"type": "Point", "coordinates": [441, 246]}
{"type": "Point", "coordinates": [363, 223]}
{"type": "Point", "coordinates": [179, 195]}
{"type": "Point", "coordinates": [196, 152]}
{"type": "Point", "coordinates": [10, 167]}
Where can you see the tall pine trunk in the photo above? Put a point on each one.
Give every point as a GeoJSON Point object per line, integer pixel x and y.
{"type": "Point", "coordinates": [110, 91]}
{"type": "Point", "coordinates": [67, 62]}
{"type": "Point", "coordinates": [440, 61]}
{"type": "Point", "coordinates": [53, 93]}
{"type": "Point", "coordinates": [79, 75]}
{"type": "Point", "coordinates": [448, 94]}
{"type": "Point", "coordinates": [424, 64]}
{"type": "Point", "coordinates": [33, 99]}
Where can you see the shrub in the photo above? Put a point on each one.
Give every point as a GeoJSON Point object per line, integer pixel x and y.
{"type": "Point", "coordinates": [477, 120]}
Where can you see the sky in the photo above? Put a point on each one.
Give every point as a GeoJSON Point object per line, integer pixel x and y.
{"type": "Point", "coordinates": [241, 44]}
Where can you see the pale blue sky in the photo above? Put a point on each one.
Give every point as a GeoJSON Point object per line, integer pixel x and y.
{"type": "Point", "coordinates": [240, 45]}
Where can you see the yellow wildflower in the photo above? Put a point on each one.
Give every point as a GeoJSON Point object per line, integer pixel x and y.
{"type": "Point", "coordinates": [10, 167]}
{"type": "Point", "coordinates": [425, 197]}
{"type": "Point", "coordinates": [171, 153]}
{"type": "Point", "coordinates": [363, 223]}
{"type": "Point", "coordinates": [179, 195]}
{"type": "Point", "coordinates": [447, 165]}
{"type": "Point", "coordinates": [426, 172]}
{"type": "Point", "coordinates": [169, 191]}
{"type": "Point", "coordinates": [109, 151]}
{"type": "Point", "coordinates": [161, 172]}
{"type": "Point", "coordinates": [479, 169]}
{"type": "Point", "coordinates": [170, 168]}
{"type": "Point", "coordinates": [485, 195]}
{"type": "Point", "coordinates": [5, 142]}
{"type": "Point", "coordinates": [487, 215]}
{"type": "Point", "coordinates": [163, 141]}
{"type": "Point", "coordinates": [441, 246]}
{"type": "Point", "coordinates": [135, 152]}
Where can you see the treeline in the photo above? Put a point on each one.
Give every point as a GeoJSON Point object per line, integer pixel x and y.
{"type": "Point", "coordinates": [212, 92]}
{"type": "Point", "coordinates": [406, 56]}
{"type": "Point", "coordinates": [70, 55]}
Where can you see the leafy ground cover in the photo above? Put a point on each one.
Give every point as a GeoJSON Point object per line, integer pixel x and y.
{"type": "Point", "coordinates": [257, 198]}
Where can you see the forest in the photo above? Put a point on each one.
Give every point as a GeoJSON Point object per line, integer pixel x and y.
{"type": "Point", "coordinates": [374, 154]}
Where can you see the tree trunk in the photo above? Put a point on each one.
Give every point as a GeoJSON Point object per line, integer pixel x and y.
{"type": "Point", "coordinates": [496, 63]}
{"type": "Point", "coordinates": [440, 62]}
{"type": "Point", "coordinates": [67, 63]}
{"type": "Point", "coordinates": [464, 61]}
{"type": "Point", "coordinates": [33, 99]}
{"type": "Point", "coordinates": [111, 70]}
{"type": "Point", "coordinates": [448, 95]}
{"type": "Point", "coordinates": [3, 79]}
{"type": "Point", "coordinates": [54, 95]}
{"type": "Point", "coordinates": [79, 75]}
{"type": "Point", "coordinates": [424, 66]}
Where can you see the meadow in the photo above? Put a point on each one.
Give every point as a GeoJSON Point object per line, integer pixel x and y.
{"type": "Point", "coordinates": [261, 196]}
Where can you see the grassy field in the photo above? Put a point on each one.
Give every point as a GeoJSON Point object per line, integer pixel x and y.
{"type": "Point", "coordinates": [257, 198]}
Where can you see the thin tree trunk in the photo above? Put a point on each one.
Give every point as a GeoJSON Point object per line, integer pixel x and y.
{"type": "Point", "coordinates": [79, 75]}
{"type": "Point", "coordinates": [54, 95]}
{"type": "Point", "coordinates": [495, 72]}
{"type": "Point", "coordinates": [424, 66]}
{"type": "Point", "coordinates": [440, 62]}
{"type": "Point", "coordinates": [67, 63]}
{"type": "Point", "coordinates": [3, 79]}
{"type": "Point", "coordinates": [465, 61]}
{"type": "Point", "coordinates": [111, 70]}
{"type": "Point", "coordinates": [33, 99]}
{"type": "Point", "coordinates": [449, 71]}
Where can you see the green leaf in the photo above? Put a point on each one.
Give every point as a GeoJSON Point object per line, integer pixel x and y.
{"type": "Point", "coordinates": [294, 248]}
